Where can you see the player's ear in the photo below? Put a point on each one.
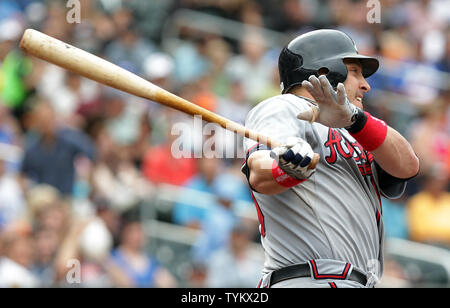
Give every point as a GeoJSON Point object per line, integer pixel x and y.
{"type": "Point", "coordinates": [323, 71]}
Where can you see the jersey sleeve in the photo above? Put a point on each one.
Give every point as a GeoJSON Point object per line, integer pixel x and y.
{"type": "Point", "coordinates": [275, 118]}
{"type": "Point", "coordinates": [390, 186]}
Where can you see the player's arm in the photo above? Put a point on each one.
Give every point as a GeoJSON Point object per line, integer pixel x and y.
{"type": "Point", "coordinates": [391, 150]}
{"type": "Point", "coordinates": [275, 171]}
{"type": "Point", "coordinates": [260, 177]}
{"type": "Point", "coordinates": [396, 156]}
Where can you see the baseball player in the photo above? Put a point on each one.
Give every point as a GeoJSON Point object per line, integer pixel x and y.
{"type": "Point", "coordinates": [323, 227]}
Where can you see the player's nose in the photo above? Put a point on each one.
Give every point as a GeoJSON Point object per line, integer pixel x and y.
{"type": "Point", "coordinates": [364, 85]}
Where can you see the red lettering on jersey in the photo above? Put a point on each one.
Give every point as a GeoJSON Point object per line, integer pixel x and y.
{"type": "Point", "coordinates": [338, 144]}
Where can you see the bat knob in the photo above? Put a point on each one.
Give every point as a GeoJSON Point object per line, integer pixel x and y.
{"type": "Point", "coordinates": [314, 162]}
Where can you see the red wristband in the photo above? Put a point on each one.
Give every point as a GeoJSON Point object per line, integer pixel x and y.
{"type": "Point", "coordinates": [373, 134]}
{"type": "Point", "coordinates": [282, 177]}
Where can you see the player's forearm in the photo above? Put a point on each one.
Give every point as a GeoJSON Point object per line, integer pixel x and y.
{"type": "Point", "coordinates": [261, 177]}
{"type": "Point", "coordinates": [396, 156]}
{"type": "Point", "coordinates": [391, 150]}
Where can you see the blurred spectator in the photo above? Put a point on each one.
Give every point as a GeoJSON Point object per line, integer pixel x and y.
{"type": "Point", "coordinates": [234, 106]}
{"type": "Point", "coordinates": [110, 217]}
{"type": "Point", "coordinates": [17, 261]}
{"type": "Point", "coordinates": [218, 52]}
{"type": "Point", "coordinates": [196, 275]}
{"type": "Point", "coordinates": [14, 66]}
{"type": "Point", "coordinates": [140, 269]}
{"type": "Point", "coordinates": [74, 94]}
{"type": "Point", "coordinates": [95, 243]}
{"type": "Point", "coordinates": [48, 211]}
{"type": "Point", "coordinates": [130, 49]}
{"type": "Point", "coordinates": [429, 136]}
{"type": "Point", "coordinates": [87, 242]}
{"type": "Point", "coordinates": [50, 154]}
{"type": "Point", "coordinates": [204, 96]}
{"type": "Point", "coordinates": [160, 166]}
{"type": "Point", "coordinates": [429, 210]}
{"type": "Point", "coordinates": [10, 140]}
{"type": "Point", "coordinates": [235, 266]}
{"type": "Point", "coordinates": [395, 219]}
{"type": "Point", "coordinates": [212, 177]}
{"type": "Point", "coordinates": [218, 222]}
{"type": "Point", "coordinates": [158, 69]}
{"type": "Point", "coordinates": [46, 243]}
{"type": "Point", "coordinates": [151, 15]}
{"type": "Point", "coordinates": [123, 114]}
{"type": "Point", "coordinates": [186, 212]}
{"type": "Point", "coordinates": [12, 203]}
{"type": "Point", "coordinates": [251, 67]}
{"type": "Point", "coordinates": [190, 64]}
{"type": "Point", "coordinates": [289, 16]}
{"type": "Point", "coordinates": [354, 23]}
{"type": "Point", "coordinates": [114, 176]}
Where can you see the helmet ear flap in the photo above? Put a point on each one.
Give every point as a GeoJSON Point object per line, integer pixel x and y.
{"type": "Point", "coordinates": [288, 65]}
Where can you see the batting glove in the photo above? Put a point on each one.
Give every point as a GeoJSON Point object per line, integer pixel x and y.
{"type": "Point", "coordinates": [334, 109]}
{"type": "Point", "coordinates": [294, 157]}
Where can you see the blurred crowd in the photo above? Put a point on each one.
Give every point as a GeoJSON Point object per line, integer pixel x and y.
{"type": "Point", "coordinates": [79, 161]}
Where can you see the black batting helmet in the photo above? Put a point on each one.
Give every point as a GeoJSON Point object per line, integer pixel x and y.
{"type": "Point", "coordinates": [320, 49]}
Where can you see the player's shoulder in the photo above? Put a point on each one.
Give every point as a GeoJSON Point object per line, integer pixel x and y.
{"type": "Point", "coordinates": [280, 103]}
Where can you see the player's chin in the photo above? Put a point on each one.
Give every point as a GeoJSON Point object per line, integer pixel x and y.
{"type": "Point", "coordinates": [358, 103]}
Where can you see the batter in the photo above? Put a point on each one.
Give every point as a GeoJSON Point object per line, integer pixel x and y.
{"type": "Point", "coordinates": [323, 227]}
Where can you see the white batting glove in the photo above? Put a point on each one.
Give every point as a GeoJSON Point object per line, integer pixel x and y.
{"type": "Point", "coordinates": [334, 109]}
{"type": "Point", "coordinates": [294, 157]}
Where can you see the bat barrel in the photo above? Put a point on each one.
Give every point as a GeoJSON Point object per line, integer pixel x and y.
{"type": "Point", "coordinates": [95, 68]}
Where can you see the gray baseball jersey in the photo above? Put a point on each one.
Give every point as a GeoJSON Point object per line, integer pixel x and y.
{"type": "Point", "coordinates": [337, 213]}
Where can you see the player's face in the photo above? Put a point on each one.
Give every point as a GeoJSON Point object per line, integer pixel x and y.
{"type": "Point", "coordinates": [355, 84]}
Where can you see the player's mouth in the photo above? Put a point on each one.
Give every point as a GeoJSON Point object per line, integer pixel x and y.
{"type": "Point", "coordinates": [359, 99]}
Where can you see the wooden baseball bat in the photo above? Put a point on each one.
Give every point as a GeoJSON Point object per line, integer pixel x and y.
{"type": "Point", "coordinates": [90, 66]}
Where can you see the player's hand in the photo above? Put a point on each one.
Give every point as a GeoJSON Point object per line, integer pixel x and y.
{"type": "Point", "coordinates": [333, 109]}
{"type": "Point", "coordinates": [294, 157]}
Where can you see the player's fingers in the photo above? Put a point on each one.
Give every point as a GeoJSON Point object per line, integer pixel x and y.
{"type": "Point", "coordinates": [309, 87]}
{"type": "Point", "coordinates": [328, 91]}
{"type": "Point", "coordinates": [341, 95]}
{"type": "Point", "coordinates": [297, 159]}
{"type": "Point", "coordinates": [291, 141]}
{"type": "Point", "coordinates": [292, 154]}
{"type": "Point", "coordinates": [288, 156]}
{"type": "Point", "coordinates": [307, 153]}
{"type": "Point", "coordinates": [277, 152]}
{"type": "Point", "coordinates": [317, 87]}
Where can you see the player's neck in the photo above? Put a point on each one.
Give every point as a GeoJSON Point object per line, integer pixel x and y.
{"type": "Point", "coordinates": [300, 91]}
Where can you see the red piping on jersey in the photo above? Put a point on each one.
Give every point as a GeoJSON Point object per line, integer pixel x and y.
{"type": "Point", "coordinates": [320, 276]}
{"type": "Point", "coordinates": [260, 215]}
{"type": "Point", "coordinates": [246, 154]}
{"type": "Point", "coordinates": [379, 198]}
{"type": "Point", "coordinates": [332, 285]}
